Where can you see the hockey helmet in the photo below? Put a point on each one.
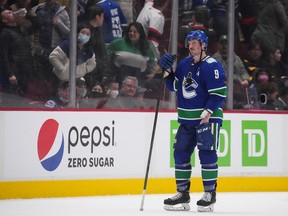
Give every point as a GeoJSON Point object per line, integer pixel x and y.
{"type": "Point", "coordinates": [196, 35]}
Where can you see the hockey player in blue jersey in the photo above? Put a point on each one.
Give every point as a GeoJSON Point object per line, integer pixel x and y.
{"type": "Point", "coordinates": [199, 81]}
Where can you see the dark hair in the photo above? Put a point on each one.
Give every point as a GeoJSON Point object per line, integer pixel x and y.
{"type": "Point", "coordinates": [92, 11]}
{"type": "Point", "coordinates": [143, 44]}
{"type": "Point", "coordinates": [82, 25]}
{"type": "Point", "coordinates": [159, 3]}
{"type": "Point", "coordinates": [254, 43]}
{"type": "Point", "coordinates": [262, 70]}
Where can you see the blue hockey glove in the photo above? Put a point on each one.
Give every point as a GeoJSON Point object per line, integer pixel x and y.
{"type": "Point", "coordinates": [204, 137]}
{"type": "Point", "coordinates": [166, 61]}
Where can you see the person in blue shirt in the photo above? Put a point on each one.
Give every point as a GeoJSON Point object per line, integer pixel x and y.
{"type": "Point", "coordinates": [199, 83]}
{"type": "Point", "coordinates": [114, 20]}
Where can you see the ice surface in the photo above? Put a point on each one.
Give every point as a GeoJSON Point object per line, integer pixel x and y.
{"type": "Point", "coordinates": [266, 203]}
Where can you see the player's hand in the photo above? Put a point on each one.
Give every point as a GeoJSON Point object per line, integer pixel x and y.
{"type": "Point", "coordinates": [166, 61]}
{"type": "Point", "coordinates": [204, 137]}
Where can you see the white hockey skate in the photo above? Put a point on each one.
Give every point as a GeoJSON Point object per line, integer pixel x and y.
{"type": "Point", "coordinates": [206, 203]}
{"type": "Point", "coordinates": [179, 202]}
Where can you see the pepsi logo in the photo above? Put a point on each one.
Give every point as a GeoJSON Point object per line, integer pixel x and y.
{"type": "Point", "coordinates": [50, 145]}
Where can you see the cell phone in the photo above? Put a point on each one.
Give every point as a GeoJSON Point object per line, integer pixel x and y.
{"type": "Point", "coordinates": [21, 11]}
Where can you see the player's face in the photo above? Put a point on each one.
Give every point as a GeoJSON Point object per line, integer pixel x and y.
{"type": "Point", "coordinates": [194, 47]}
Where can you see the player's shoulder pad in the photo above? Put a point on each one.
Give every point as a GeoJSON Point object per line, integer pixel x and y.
{"type": "Point", "coordinates": [210, 60]}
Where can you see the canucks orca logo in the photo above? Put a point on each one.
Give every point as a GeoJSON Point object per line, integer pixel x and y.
{"type": "Point", "coordinates": [188, 86]}
{"type": "Point", "coordinates": [50, 145]}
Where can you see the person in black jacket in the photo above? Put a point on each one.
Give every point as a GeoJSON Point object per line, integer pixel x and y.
{"type": "Point", "coordinates": [15, 54]}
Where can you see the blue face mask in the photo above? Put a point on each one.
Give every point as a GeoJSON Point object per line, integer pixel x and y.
{"type": "Point", "coordinates": [83, 38]}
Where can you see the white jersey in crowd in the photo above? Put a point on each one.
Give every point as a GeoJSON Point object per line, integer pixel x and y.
{"type": "Point", "coordinates": [153, 22]}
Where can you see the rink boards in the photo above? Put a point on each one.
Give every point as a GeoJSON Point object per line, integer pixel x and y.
{"type": "Point", "coordinates": [87, 153]}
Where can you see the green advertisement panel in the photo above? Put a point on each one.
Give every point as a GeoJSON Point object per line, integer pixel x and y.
{"type": "Point", "coordinates": [224, 148]}
{"type": "Point", "coordinates": [254, 143]}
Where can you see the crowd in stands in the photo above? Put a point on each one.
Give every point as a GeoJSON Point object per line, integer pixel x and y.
{"type": "Point", "coordinates": [117, 59]}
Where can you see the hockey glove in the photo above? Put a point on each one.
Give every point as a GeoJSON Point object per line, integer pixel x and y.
{"type": "Point", "coordinates": [166, 61]}
{"type": "Point", "coordinates": [204, 137]}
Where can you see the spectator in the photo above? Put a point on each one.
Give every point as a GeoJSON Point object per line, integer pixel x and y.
{"type": "Point", "coordinates": [62, 97]}
{"type": "Point", "coordinates": [126, 98]}
{"type": "Point", "coordinates": [81, 4]}
{"type": "Point", "coordinates": [281, 103]}
{"type": "Point", "coordinates": [85, 60]}
{"type": "Point", "coordinates": [55, 26]}
{"type": "Point", "coordinates": [272, 23]}
{"type": "Point", "coordinates": [254, 60]}
{"type": "Point", "coordinates": [153, 21]}
{"type": "Point", "coordinates": [94, 18]}
{"type": "Point", "coordinates": [277, 67]}
{"type": "Point", "coordinates": [219, 17]}
{"type": "Point", "coordinates": [267, 94]}
{"type": "Point", "coordinates": [30, 20]}
{"type": "Point", "coordinates": [140, 95]}
{"type": "Point", "coordinates": [260, 76]}
{"type": "Point", "coordinates": [239, 72]}
{"type": "Point", "coordinates": [4, 6]}
{"type": "Point", "coordinates": [132, 55]}
{"type": "Point", "coordinates": [114, 20]}
{"type": "Point", "coordinates": [110, 90]}
{"type": "Point", "coordinates": [249, 10]}
{"type": "Point", "coordinates": [111, 87]}
{"type": "Point", "coordinates": [240, 75]}
{"type": "Point", "coordinates": [15, 54]}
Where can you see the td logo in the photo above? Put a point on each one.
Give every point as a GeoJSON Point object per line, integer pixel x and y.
{"type": "Point", "coordinates": [254, 143]}
{"type": "Point", "coordinates": [50, 145]}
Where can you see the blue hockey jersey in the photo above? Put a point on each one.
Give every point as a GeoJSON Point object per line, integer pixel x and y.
{"type": "Point", "coordinates": [199, 86]}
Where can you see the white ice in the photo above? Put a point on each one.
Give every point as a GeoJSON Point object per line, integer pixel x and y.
{"type": "Point", "coordinates": [265, 203]}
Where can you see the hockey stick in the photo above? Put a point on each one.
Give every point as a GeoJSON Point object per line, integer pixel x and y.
{"type": "Point", "coordinates": [152, 142]}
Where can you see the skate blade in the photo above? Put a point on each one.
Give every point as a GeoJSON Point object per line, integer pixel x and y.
{"type": "Point", "coordinates": [178, 207]}
{"type": "Point", "coordinates": [209, 208]}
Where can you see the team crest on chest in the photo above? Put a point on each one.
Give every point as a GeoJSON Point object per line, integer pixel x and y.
{"type": "Point", "coordinates": [188, 86]}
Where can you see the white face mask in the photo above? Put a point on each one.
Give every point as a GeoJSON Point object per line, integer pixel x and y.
{"type": "Point", "coordinates": [113, 93]}
{"type": "Point", "coordinates": [81, 92]}
{"type": "Point", "coordinates": [83, 38]}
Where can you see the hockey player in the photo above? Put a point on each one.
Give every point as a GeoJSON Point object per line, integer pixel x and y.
{"type": "Point", "coordinates": [201, 90]}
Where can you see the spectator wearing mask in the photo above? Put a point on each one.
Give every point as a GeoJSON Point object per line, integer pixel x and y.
{"type": "Point", "coordinates": [94, 18]}
{"type": "Point", "coordinates": [127, 96]}
{"type": "Point", "coordinates": [85, 58]}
